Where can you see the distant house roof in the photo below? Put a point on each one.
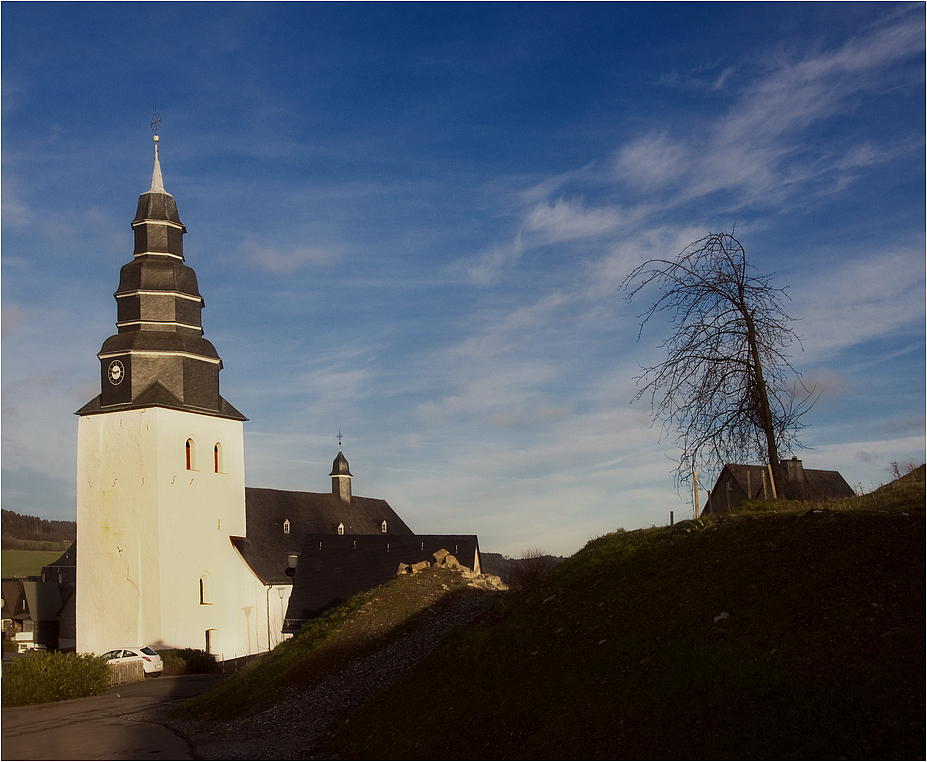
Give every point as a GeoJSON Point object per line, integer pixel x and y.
{"type": "Point", "coordinates": [332, 568]}
{"type": "Point", "coordinates": [12, 597]}
{"type": "Point", "coordinates": [65, 560]}
{"type": "Point", "coordinates": [271, 512]}
{"type": "Point", "coordinates": [737, 483]}
{"type": "Point", "coordinates": [42, 602]}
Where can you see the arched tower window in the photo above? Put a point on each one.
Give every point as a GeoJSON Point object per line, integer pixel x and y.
{"type": "Point", "coordinates": [205, 589]}
{"type": "Point", "coordinates": [191, 455]}
{"type": "Point", "coordinates": [218, 459]}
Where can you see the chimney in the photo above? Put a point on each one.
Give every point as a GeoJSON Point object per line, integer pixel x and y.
{"type": "Point", "coordinates": [794, 471]}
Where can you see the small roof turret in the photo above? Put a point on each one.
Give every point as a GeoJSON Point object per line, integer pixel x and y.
{"type": "Point", "coordinates": [340, 465]}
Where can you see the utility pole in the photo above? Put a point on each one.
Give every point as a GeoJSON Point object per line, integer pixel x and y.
{"type": "Point", "coordinates": [696, 494]}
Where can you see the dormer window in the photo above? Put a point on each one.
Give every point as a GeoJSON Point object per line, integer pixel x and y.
{"type": "Point", "coordinates": [341, 529]}
{"type": "Point", "coordinates": [286, 526]}
{"type": "Point", "coordinates": [383, 527]}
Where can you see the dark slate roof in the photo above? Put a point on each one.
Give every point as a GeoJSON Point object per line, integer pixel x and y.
{"type": "Point", "coordinates": [12, 597]}
{"type": "Point", "coordinates": [819, 484]}
{"type": "Point", "coordinates": [334, 568]}
{"type": "Point", "coordinates": [157, 395]}
{"type": "Point", "coordinates": [43, 601]}
{"type": "Point", "coordinates": [66, 559]}
{"type": "Point", "coordinates": [157, 205]}
{"type": "Point", "coordinates": [340, 466]}
{"type": "Point", "coordinates": [157, 273]}
{"type": "Point", "coordinates": [160, 341]}
{"type": "Point", "coordinates": [815, 485]}
{"type": "Point", "coordinates": [63, 570]}
{"type": "Point", "coordinates": [310, 513]}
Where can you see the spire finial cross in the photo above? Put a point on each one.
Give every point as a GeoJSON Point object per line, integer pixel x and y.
{"type": "Point", "coordinates": [339, 440]}
{"type": "Point", "coordinates": [156, 122]}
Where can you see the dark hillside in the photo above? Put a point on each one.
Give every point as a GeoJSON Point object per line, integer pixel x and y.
{"type": "Point", "coordinates": [784, 632]}
{"type": "Point", "coordinates": [32, 533]}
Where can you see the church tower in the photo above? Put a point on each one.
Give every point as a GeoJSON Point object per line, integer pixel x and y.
{"type": "Point", "coordinates": [160, 474]}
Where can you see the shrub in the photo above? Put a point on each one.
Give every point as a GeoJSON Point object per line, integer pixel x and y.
{"type": "Point", "coordinates": [533, 564]}
{"type": "Point", "coordinates": [53, 676]}
{"type": "Point", "coordinates": [188, 661]}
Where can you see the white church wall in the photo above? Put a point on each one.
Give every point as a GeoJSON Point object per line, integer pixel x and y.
{"type": "Point", "coordinates": [262, 610]}
{"type": "Point", "coordinates": [118, 587]}
{"type": "Point", "coordinates": [150, 529]}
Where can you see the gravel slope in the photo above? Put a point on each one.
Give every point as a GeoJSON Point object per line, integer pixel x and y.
{"type": "Point", "coordinates": [296, 728]}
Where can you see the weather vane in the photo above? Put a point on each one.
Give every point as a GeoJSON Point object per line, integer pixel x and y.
{"type": "Point", "coordinates": [155, 121]}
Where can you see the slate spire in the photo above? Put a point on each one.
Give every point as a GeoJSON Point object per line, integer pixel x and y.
{"type": "Point", "coordinates": [157, 183]}
{"type": "Point", "coordinates": [159, 357]}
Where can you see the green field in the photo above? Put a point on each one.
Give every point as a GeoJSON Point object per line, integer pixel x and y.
{"type": "Point", "coordinates": [27, 562]}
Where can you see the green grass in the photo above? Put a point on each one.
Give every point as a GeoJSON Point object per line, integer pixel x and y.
{"type": "Point", "coordinates": [27, 562]}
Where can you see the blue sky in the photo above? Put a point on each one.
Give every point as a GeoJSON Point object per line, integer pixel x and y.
{"type": "Point", "coordinates": [410, 224]}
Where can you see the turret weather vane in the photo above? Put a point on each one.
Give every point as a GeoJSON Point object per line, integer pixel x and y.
{"type": "Point", "coordinates": [155, 121]}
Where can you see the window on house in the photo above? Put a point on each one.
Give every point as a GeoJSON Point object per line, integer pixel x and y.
{"type": "Point", "coordinates": [286, 526]}
{"type": "Point", "coordinates": [341, 529]}
{"type": "Point", "coordinates": [383, 527]}
{"type": "Point", "coordinates": [191, 455]}
{"type": "Point", "coordinates": [217, 458]}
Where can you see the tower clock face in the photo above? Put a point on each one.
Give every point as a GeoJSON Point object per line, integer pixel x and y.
{"type": "Point", "coordinates": [116, 372]}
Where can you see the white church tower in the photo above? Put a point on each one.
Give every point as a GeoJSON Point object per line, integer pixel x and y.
{"type": "Point", "coordinates": [160, 467]}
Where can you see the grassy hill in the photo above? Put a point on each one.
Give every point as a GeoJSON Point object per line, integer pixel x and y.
{"type": "Point", "coordinates": [782, 631]}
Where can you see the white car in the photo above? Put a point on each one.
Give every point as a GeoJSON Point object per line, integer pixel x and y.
{"type": "Point", "coordinates": [151, 661]}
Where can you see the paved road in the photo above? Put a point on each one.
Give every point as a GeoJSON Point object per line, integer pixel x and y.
{"type": "Point", "coordinates": [95, 727]}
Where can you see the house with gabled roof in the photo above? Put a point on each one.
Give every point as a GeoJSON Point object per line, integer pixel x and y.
{"type": "Point", "coordinates": [34, 609]}
{"type": "Point", "coordinates": [737, 483]}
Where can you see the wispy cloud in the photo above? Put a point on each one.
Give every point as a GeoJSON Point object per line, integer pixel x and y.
{"type": "Point", "coordinates": [286, 261]}
{"type": "Point", "coordinates": [485, 269]}
{"type": "Point", "coordinates": [757, 147]}
{"type": "Point", "coordinates": [860, 300]}
{"type": "Point", "coordinates": [567, 220]}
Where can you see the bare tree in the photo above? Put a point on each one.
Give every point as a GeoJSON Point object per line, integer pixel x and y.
{"type": "Point", "coordinates": [727, 386]}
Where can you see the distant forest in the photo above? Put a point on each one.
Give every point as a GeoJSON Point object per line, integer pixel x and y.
{"type": "Point", "coordinates": [27, 532]}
